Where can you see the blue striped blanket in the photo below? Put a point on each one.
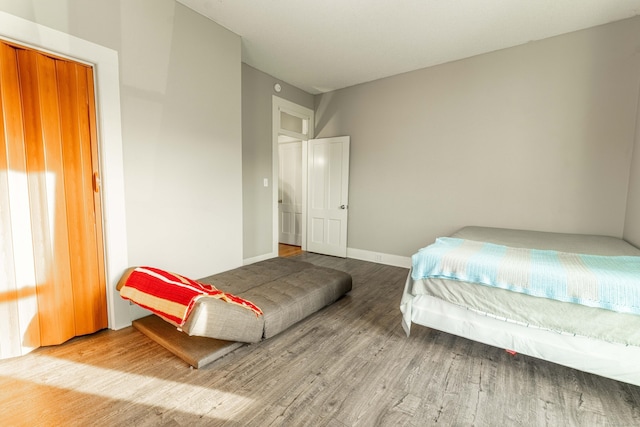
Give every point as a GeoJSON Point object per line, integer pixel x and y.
{"type": "Point", "coordinates": [610, 282]}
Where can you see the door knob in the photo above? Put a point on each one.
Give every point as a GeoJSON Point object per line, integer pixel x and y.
{"type": "Point", "coordinates": [343, 206]}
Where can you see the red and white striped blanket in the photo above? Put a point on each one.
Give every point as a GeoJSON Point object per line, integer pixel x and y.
{"type": "Point", "coordinates": [172, 296]}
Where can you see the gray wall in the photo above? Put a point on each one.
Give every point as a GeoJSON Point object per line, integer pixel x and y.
{"type": "Point", "coordinates": [537, 136]}
{"type": "Point", "coordinates": [632, 222]}
{"type": "Point", "coordinates": [180, 88]}
{"type": "Point", "coordinates": [257, 93]}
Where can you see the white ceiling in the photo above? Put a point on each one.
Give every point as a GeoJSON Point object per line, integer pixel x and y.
{"type": "Point", "coordinates": [323, 45]}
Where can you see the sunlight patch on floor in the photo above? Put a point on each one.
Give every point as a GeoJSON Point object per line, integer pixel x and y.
{"type": "Point", "coordinates": [138, 389]}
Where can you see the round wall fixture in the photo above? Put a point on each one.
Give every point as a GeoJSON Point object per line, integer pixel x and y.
{"type": "Point", "coordinates": [277, 87]}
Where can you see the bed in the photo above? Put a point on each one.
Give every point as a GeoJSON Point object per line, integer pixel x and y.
{"type": "Point", "coordinates": [602, 339]}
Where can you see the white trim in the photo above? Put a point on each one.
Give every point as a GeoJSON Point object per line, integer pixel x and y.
{"type": "Point", "coordinates": [280, 104]}
{"type": "Point", "coordinates": [259, 258]}
{"type": "Point", "coordinates": [379, 258]}
{"type": "Point", "coordinates": [359, 254]}
{"type": "Point", "coordinates": [304, 171]}
{"type": "Point", "coordinates": [105, 63]}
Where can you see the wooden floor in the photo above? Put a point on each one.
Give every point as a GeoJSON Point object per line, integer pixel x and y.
{"type": "Point", "coordinates": [285, 251]}
{"type": "Point", "coordinates": [347, 365]}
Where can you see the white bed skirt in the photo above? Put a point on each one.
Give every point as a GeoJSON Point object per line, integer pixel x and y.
{"type": "Point", "coordinates": [612, 360]}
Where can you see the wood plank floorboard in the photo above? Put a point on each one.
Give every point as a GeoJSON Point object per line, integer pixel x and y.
{"type": "Point", "coordinates": [285, 251]}
{"type": "Point", "coordinates": [350, 364]}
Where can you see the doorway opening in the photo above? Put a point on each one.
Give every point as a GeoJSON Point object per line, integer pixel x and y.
{"type": "Point", "coordinates": [292, 128]}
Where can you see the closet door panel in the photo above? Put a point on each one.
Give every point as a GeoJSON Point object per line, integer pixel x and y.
{"type": "Point", "coordinates": [100, 290]}
{"type": "Point", "coordinates": [89, 296]}
{"type": "Point", "coordinates": [19, 322]}
{"type": "Point", "coordinates": [45, 173]}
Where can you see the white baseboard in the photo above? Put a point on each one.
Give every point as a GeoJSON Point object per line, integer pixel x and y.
{"type": "Point", "coordinates": [258, 258]}
{"type": "Point", "coordinates": [361, 254]}
{"type": "Point", "coordinates": [380, 258]}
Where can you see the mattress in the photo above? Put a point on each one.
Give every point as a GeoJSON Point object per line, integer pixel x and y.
{"type": "Point", "coordinates": [583, 337]}
{"type": "Point", "coordinates": [286, 290]}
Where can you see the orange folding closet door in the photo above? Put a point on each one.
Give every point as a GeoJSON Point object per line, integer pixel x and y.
{"type": "Point", "coordinates": [49, 141]}
{"type": "Point", "coordinates": [19, 321]}
{"type": "Point", "coordinates": [75, 94]}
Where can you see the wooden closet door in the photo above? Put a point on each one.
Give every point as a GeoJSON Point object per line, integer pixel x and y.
{"type": "Point", "coordinates": [19, 320]}
{"type": "Point", "coordinates": [75, 89]}
{"type": "Point", "coordinates": [60, 161]}
{"type": "Point", "coordinates": [45, 172]}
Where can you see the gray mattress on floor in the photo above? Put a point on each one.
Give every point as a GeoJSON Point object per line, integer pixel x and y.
{"type": "Point", "coordinates": [285, 290]}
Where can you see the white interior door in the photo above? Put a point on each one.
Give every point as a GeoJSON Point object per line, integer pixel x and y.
{"type": "Point", "coordinates": [328, 195]}
{"type": "Point", "coordinates": [290, 193]}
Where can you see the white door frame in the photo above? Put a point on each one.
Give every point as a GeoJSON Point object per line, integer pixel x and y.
{"type": "Point", "coordinates": [282, 105]}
